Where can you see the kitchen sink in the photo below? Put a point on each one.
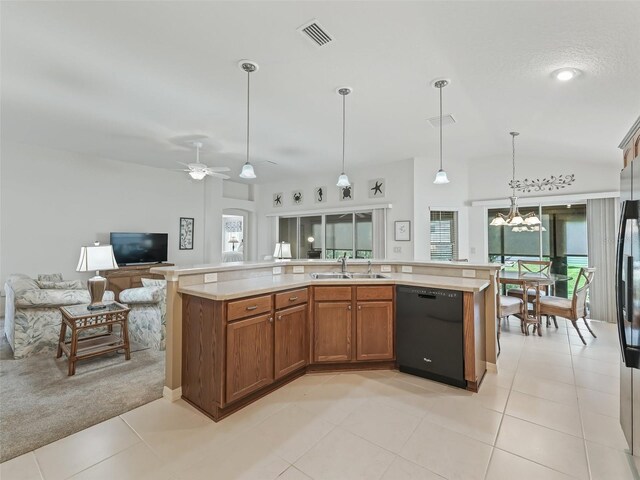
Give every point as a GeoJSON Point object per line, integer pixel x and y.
{"type": "Point", "coordinates": [367, 275]}
{"type": "Point", "coordinates": [345, 276]}
{"type": "Point", "coordinates": [320, 276]}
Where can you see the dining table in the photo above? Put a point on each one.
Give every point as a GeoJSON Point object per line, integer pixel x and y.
{"type": "Point", "coordinates": [535, 280]}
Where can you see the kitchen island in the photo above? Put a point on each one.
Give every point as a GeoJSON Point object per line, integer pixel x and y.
{"type": "Point", "coordinates": [235, 332]}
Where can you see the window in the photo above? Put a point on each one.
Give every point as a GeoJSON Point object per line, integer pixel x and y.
{"type": "Point", "coordinates": [562, 239]}
{"type": "Point", "coordinates": [350, 232]}
{"type": "Point", "coordinates": [444, 235]}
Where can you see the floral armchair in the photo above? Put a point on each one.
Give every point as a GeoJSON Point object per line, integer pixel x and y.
{"type": "Point", "coordinates": [147, 317]}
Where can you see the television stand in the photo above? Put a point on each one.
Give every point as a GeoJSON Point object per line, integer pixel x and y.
{"type": "Point", "coordinates": [129, 276]}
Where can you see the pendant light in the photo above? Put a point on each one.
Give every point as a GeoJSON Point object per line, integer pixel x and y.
{"type": "Point", "coordinates": [249, 67]}
{"type": "Point", "coordinates": [343, 180]}
{"type": "Point", "coordinates": [514, 218]}
{"type": "Point", "coordinates": [441, 176]}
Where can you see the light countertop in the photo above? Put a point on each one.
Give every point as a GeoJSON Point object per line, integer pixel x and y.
{"type": "Point", "coordinates": [270, 283]}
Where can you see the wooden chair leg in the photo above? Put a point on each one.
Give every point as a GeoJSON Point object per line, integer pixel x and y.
{"type": "Point", "coordinates": [588, 327]}
{"type": "Point", "coordinates": [575, 324]}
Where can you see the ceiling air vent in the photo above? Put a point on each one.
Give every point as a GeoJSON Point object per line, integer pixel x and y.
{"type": "Point", "coordinates": [446, 120]}
{"type": "Point", "coordinates": [314, 32]}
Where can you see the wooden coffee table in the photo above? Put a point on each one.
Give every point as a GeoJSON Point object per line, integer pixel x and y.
{"type": "Point", "coordinates": [79, 318]}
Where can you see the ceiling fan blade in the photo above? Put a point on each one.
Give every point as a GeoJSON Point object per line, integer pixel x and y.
{"type": "Point", "coordinates": [219, 169]}
{"type": "Point", "coordinates": [218, 175]}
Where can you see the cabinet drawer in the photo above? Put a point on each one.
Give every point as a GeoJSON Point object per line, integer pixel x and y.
{"type": "Point", "coordinates": [332, 294]}
{"type": "Point", "coordinates": [291, 298]}
{"type": "Point", "coordinates": [247, 307]}
{"type": "Point", "coordinates": [384, 292]}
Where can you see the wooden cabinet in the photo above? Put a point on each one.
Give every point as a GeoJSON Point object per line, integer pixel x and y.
{"type": "Point", "coordinates": [290, 342]}
{"type": "Point", "coordinates": [365, 319]}
{"type": "Point", "coordinates": [332, 328]}
{"type": "Point", "coordinates": [374, 327]}
{"type": "Point", "coordinates": [249, 356]}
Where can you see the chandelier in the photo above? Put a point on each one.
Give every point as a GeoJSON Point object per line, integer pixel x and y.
{"type": "Point", "coordinates": [514, 218]}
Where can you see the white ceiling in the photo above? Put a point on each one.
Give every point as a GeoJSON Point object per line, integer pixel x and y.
{"type": "Point", "coordinates": [123, 80]}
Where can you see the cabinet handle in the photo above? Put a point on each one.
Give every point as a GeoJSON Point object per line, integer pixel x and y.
{"type": "Point", "coordinates": [349, 307]}
{"type": "Point", "coordinates": [359, 307]}
{"type": "Point", "coordinates": [279, 317]}
{"type": "Point", "coordinates": [252, 307]}
{"type": "Point", "coordinates": [270, 319]}
{"type": "Point", "coordinates": [293, 299]}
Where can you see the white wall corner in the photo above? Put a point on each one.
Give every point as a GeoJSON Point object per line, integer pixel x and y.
{"type": "Point", "coordinates": [172, 395]}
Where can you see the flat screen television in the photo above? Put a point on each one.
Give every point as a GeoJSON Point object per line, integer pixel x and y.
{"type": "Point", "coordinates": [131, 247]}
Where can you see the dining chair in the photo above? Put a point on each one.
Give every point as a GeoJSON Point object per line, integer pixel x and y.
{"type": "Point", "coordinates": [531, 266]}
{"type": "Point", "coordinates": [573, 308]}
{"type": "Point", "coordinates": [506, 306]}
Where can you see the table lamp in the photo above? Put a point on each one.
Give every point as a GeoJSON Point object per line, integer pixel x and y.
{"type": "Point", "coordinates": [282, 250]}
{"type": "Point", "coordinates": [233, 240]}
{"type": "Point", "coordinates": [95, 258]}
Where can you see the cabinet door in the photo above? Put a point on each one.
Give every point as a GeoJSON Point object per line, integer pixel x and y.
{"type": "Point", "coordinates": [374, 331]}
{"type": "Point", "coordinates": [249, 356]}
{"type": "Point", "coordinates": [290, 340]}
{"type": "Point", "coordinates": [332, 332]}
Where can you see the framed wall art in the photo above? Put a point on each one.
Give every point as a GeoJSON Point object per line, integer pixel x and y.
{"type": "Point", "coordinates": [186, 233]}
{"type": "Point", "coordinates": [320, 194]}
{"type": "Point", "coordinates": [402, 231]}
{"type": "Point", "coordinates": [277, 199]}
{"type": "Point", "coordinates": [346, 193]}
{"type": "Point", "coordinates": [376, 188]}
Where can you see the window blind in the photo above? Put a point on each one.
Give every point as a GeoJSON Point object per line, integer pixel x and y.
{"type": "Point", "coordinates": [444, 235]}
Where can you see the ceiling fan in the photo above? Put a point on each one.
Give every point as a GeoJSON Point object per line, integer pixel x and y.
{"type": "Point", "coordinates": [198, 170]}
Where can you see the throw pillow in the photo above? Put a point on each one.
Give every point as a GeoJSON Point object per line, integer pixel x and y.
{"type": "Point", "coordinates": [153, 282]}
{"type": "Point", "coordinates": [50, 277]}
{"type": "Point", "coordinates": [68, 285]}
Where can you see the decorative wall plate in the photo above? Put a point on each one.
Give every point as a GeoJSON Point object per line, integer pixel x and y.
{"type": "Point", "coordinates": [320, 194]}
{"type": "Point", "coordinates": [278, 199]}
{"type": "Point", "coordinates": [296, 197]}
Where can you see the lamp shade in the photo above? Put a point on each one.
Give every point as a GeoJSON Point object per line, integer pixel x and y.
{"type": "Point", "coordinates": [282, 250]}
{"type": "Point", "coordinates": [441, 177]}
{"type": "Point", "coordinates": [96, 257]}
{"type": "Point", "coordinates": [247, 171]}
{"type": "Point", "coordinates": [343, 180]}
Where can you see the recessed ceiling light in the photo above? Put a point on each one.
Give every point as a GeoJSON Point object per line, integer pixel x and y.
{"type": "Point", "coordinates": [566, 74]}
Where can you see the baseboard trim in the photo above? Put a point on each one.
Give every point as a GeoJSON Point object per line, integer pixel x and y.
{"type": "Point", "coordinates": [172, 395]}
{"type": "Point", "coordinates": [491, 367]}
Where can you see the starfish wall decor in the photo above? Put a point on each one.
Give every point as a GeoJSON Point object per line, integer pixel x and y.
{"type": "Point", "coordinates": [538, 185]}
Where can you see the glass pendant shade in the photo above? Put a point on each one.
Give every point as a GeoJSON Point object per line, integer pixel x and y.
{"type": "Point", "coordinates": [198, 174]}
{"type": "Point", "coordinates": [343, 180]}
{"type": "Point", "coordinates": [532, 220]}
{"type": "Point", "coordinates": [441, 177]}
{"type": "Point", "coordinates": [498, 221]}
{"type": "Point", "coordinates": [247, 171]}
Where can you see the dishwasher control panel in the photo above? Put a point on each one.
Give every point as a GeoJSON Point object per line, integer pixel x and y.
{"type": "Point", "coordinates": [434, 292]}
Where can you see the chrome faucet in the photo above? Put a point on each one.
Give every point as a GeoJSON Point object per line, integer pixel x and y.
{"type": "Point", "coordinates": [369, 267]}
{"type": "Point", "coordinates": [343, 261]}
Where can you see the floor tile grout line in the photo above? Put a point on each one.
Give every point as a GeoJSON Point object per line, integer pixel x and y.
{"type": "Point", "coordinates": [35, 458]}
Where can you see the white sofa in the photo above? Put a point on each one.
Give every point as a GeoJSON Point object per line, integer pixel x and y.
{"type": "Point", "coordinates": [32, 315]}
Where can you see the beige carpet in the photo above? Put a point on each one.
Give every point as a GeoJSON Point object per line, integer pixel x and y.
{"type": "Point", "coordinates": [39, 403]}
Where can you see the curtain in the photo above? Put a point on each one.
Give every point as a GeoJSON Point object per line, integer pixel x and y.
{"type": "Point", "coordinates": [379, 220]}
{"type": "Point", "coordinates": [602, 225]}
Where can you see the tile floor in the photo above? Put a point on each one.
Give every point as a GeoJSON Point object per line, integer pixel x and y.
{"type": "Point", "coordinates": [550, 413]}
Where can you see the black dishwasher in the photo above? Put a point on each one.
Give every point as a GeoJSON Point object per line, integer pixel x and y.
{"type": "Point", "coordinates": [429, 335]}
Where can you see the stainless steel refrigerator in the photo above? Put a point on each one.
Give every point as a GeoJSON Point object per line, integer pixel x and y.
{"type": "Point", "coordinates": [628, 304]}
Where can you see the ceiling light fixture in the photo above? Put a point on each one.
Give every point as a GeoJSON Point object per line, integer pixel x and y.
{"type": "Point", "coordinates": [566, 74]}
{"type": "Point", "coordinates": [343, 180]}
{"type": "Point", "coordinates": [249, 67]}
{"type": "Point", "coordinates": [198, 170]}
{"type": "Point", "coordinates": [441, 176]}
{"type": "Point", "coordinates": [514, 218]}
